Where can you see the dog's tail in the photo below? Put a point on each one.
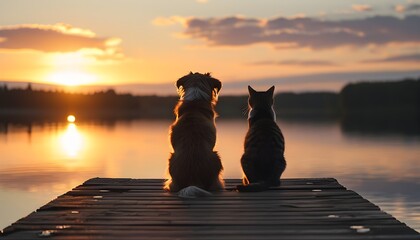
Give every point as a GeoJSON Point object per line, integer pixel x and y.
{"type": "Point", "coordinates": [193, 192]}
{"type": "Point", "coordinates": [253, 187]}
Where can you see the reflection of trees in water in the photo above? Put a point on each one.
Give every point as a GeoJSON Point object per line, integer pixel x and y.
{"type": "Point", "coordinates": [24, 124]}
{"type": "Point", "coordinates": [27, 123]}
{"type": "Point", "coordinates": [29, 119]}
{"type": "Point", "coordinates": [381, 124]}
{"type": "Point", "coordinates": [4, 127]}
{"type": "Point", "coordinates": [358, 124]}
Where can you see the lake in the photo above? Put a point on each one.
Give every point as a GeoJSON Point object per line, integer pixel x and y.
{"type": "Point", "coordinates": [40, 161]}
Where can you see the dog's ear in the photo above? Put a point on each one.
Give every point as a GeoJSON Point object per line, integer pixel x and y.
{"type": "Point", "coordinates": [181, 82]}
{"type": "Point", "coordinates": [216, 84]}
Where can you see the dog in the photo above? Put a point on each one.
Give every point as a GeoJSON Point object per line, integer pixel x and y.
{"type": "Point", "coordinates": [194, 167]}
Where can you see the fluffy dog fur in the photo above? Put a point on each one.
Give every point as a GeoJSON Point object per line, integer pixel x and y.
{"type": "Point", "coordinates": [193, 136]}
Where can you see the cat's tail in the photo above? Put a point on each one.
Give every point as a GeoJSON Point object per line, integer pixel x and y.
{"type": "Point", "coordinates": [193, 192]}
{"type": "Point", "coordinates": [253, 187]}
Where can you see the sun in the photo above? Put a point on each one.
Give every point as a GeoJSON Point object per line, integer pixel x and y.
{"type": "Point", "coordinates": [72, 78]}
{"type": "Point", "coordinates": [70, 69]}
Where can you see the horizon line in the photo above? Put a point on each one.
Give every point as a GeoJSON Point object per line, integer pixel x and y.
{"type": "Point", "coordinates": [321, 82]}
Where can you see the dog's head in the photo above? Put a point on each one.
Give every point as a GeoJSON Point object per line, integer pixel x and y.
{"type": "Point", "coordinates": [197, 86]}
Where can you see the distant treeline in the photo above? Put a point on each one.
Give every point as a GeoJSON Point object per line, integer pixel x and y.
{"type": "Point", "coordinates": [366, 98]}
{"type": "Point", "coordinates": [397, 98]}
{"type": "Point", "coordinates": [392, 107]}
{"type": "Point", "coordinates": [99, 104]}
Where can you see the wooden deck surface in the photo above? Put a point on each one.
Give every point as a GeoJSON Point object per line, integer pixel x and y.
{"type": "Point", "coordinates": [106, 208]}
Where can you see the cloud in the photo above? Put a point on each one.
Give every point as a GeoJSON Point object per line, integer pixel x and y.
{"type": "Point", "coordinates": [304, 32]}
{"type": "Point", "coordinates": [167, 21]}
{"type": "Point", "coordinates": [413, 7]}
{"type": "Point", "coordinates": [409, 8]}
{"type": "Point", "coordinates": [55, 38]}
{"type": "Point", "coordinates": [400, 58]}
{"type": "Point", "coordinates": [361, 8]}
{"type": "Point", "coordinates": [399, 8]}
{"type": "Point", "coordinates": [296, 62]}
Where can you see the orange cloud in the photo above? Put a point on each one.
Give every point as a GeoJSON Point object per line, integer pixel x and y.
{"type": "Point", "coordinates": [399, 8]}
{"type": "Point", "coordinates": [409, 8]}
{"type": "Point", "coordinates": [167, 21]}
{"type": "Point", "coordinates": [57, 38]}
{"type": "Point", "coordinates": [362, 8]}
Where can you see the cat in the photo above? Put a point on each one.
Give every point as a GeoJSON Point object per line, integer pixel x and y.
{"type": "Point", "coordinates": [263, 159]}
{"type": "Point", "coordinates": [194, 167]}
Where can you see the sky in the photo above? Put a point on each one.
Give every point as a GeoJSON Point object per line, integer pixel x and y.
{"type": "Point", "coordinates": [145, 46]}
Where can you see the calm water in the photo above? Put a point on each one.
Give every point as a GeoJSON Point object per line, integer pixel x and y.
{"type": "Point", "coordinates": [40, 162]}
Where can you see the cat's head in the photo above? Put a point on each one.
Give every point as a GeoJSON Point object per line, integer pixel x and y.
{"type": "Point", "coordinates": [261, 102]}
{"type": "Point", "coordinates": [260, 99]}
{"type": "Point", "coordinates": [197, 86]}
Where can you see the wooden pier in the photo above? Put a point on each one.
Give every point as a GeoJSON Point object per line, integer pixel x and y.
{"type": "Point", "coordinates": [108, 208]}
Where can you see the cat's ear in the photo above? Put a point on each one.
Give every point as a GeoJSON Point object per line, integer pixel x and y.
{"type": "Point", "coordinates": [271, 90]}
{"type": "Point", "coordinates": [251, 90]}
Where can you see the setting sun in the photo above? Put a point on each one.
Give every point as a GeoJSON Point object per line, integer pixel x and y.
{"type": "Point", "coordinates": [72, 78]}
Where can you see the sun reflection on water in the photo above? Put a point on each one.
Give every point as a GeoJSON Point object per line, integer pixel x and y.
{"type": "Point", "coordinates": [71, 141]}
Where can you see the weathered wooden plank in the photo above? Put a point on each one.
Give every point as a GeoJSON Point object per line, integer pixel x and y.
{"type": "Point", "coordinates": [63, 220]}
{"type": "Point", "coordinates": [199, 212]}
{"type": "Point", "coordinates": [199, 231]}
{"type": "Point", "coordinates": [104, 208]}
{"type": "Point", "coordinates": [217, 233]}
{"type": "Point", "coordinates": [130, 181]}
{"type": "Point", "coordinates": [83, 235]}
{"type": "Point", "coordinates": [296, 193]}
{"type": "Point", "coordinates": [110, 199]}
